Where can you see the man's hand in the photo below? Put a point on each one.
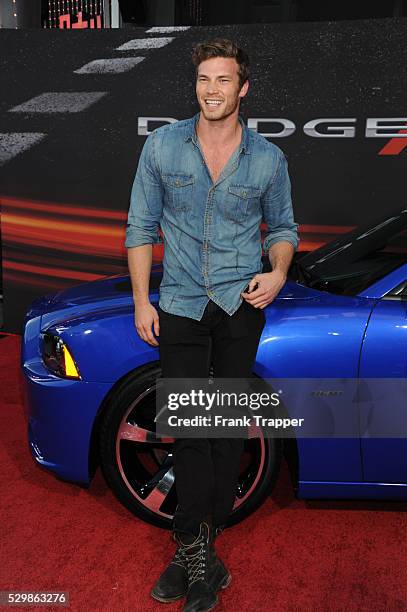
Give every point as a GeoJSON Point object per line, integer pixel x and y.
{"type": "Point", "coordinates": [268, 286]}
{"type": "Point", "coordinates": [146, 318]}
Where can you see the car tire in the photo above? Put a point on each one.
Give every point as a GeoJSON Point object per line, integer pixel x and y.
{"type": "Point", "coordinates": [137, 466]}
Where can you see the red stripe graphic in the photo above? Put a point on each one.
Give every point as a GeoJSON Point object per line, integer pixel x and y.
{"type": "Point", "coordinates": [395, 145]}
{"type": "Point", "coordinates": [48, 245]}
{"type": "Point", "coordinates": [49, 271]}
{"type": "Point", "coordinates": [62, 209]}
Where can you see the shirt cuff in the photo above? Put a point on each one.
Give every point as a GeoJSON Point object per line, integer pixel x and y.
{"type": "Point", "coordinates": [283, 237]}
{"type": "Point", "coordinates": [138, 237]}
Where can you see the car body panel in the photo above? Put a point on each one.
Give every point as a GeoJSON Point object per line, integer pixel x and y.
{"type": "Point", "coordinates": [351, 490]}
{"type": "Point", "coordinates": [71, 406]}
{"type": "Point", "coordinates": [331, 329]}
{"type": "Point", "coordinates": [95, 336]}
{"type": "Point", "coordinates": [385, 459]}
{"type": "Point", "coordinates": [61, 413]}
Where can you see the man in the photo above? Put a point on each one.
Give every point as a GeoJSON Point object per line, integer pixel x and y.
{"type": "Point", "coordinates": [208, 182]}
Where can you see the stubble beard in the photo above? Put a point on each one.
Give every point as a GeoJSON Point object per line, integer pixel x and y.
{"type": "Point", "coordinates": [221, 114]}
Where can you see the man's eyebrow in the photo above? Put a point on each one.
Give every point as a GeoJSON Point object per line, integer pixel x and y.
{"type": "Point", "coordinates": [219, 76]}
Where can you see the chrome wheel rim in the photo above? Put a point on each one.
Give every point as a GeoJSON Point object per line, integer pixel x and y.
{"type": "Point", "coordinates": [145, 461]}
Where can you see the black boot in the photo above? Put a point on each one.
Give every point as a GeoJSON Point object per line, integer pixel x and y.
{"type": "Point", "coordinates": [220, 577]}
{"type": "Point", "coordinates": [206, 574]}
{"type": "Point", "coordinates": [173, 582]}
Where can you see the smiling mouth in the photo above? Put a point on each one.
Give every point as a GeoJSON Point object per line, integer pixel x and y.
{"type": "Point", "coordinates": [213, 103]}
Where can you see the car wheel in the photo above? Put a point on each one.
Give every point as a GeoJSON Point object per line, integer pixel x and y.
{"type": "Point", "coordinates": [138, 464]}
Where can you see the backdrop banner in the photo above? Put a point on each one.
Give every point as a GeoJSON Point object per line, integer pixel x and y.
{"type": "Point", "coordinates": [77, 105]}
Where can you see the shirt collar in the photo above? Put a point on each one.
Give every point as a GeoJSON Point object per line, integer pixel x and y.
{"type": "Point", "coordinates": [190, 133]}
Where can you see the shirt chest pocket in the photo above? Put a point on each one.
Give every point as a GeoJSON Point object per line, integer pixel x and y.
{"type": "Point", "coordinates": [240, 201]}
{"type": "Point", "coordinates": [179, 189]}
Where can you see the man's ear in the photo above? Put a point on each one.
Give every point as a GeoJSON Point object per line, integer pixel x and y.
{"type": "Point", "coordinates": [244, 89]}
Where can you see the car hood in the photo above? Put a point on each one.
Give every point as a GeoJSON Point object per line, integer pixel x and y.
{"type": "Point", "coordinates": [111, 294]}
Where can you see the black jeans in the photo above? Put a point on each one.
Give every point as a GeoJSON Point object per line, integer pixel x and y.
{"type": "Point", "coordinates": [207, 470]}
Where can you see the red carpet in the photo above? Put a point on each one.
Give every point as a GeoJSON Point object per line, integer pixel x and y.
{"type": "Point", "coordinates": [289, 556]}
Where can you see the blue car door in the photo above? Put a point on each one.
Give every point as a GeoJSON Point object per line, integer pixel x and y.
{"type": "Point", "coordinates": [383, 393]}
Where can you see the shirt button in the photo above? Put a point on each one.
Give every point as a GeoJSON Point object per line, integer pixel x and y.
{"type": "Point", "coordinates": [177, 183]}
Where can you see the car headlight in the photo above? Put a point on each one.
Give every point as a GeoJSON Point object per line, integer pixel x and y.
{"type": "Point", "coordinates": [58, 358]}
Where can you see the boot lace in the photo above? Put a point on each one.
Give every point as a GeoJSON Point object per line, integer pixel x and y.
{"type": "Point", "coordinates": [179, 558]}
{"type": "Point", "coordinates": [195, 562]}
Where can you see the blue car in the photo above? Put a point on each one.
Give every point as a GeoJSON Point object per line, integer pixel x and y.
{"type": "Point", "coordinates": [90, 381]}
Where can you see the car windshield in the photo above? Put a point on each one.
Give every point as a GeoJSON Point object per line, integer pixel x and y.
{"type": "Point", "coordinates": [360, 258]}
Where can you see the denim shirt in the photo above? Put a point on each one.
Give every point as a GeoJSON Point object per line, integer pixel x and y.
{"type": "Point", "coordinates": [211, 231]}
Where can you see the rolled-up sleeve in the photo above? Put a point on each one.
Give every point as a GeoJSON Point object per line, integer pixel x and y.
{"type": "Point", "coordinates": [146, 199]}
{"type": "Point", "coordinates": [278, 210]}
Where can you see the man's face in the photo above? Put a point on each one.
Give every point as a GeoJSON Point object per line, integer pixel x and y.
{"type": "Point", "coordinates": [217, 87]}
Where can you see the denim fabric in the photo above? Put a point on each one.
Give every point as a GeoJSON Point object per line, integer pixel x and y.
{"type": "Point", "coordinates": [211, 231]}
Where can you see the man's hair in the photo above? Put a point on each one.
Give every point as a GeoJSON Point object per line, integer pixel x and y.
{"type": "Point", "coordinates": [222, 47]}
